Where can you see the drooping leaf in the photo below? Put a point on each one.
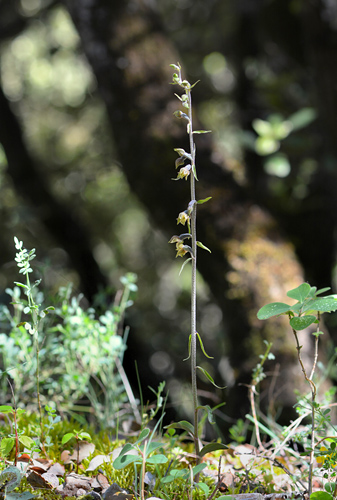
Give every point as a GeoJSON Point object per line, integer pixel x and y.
{"type": "Point", "coordinates": [300, 293]}
{"type": "Point", "coordinates": [183, 424]}
{"type": "Point", "coordinates": [202, 347]}
{"type": "Point", "coordinates": [273, 309]}
{"type": "Point", "coordinates": [208, 448]}
{"type": "Point", "coordinates": [184, 264]}
{"type": "Point", "coordinates": [210, 378]}
{"type": "Point", "coordinates": [302, 322]}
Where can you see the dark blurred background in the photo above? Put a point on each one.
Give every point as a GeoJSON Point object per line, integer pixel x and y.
{"type": "Point", "coordinates": [86, 160]}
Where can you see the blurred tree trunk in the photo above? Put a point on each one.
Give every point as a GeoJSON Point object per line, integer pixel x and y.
{"type": "Point", "coordinates": [251, 263]}
{"type": "Point", "coordinates": [57, 218]}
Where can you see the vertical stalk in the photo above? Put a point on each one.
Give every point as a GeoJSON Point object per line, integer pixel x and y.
{"type": "Point", "coordinates": [193, 280]}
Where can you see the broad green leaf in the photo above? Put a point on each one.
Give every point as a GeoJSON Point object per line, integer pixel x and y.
{"type": "Point", "coordinates": [203, 487]}
{"type": "Point", "coordinates": [210, 378]}
{"type": "Point", "coordinates": [143, 435]}
{"type": "Point", "coordinates": [6, 445]}
{"type": "Point", "coordinates": [273, 309]}
{"type": "Point", "coordinates": [322, 304]}
{"type": "Point", "coordinates": [198, 468]}
{"type": "Point", "coordinates": [67, 437]}
{"type": "Point", "coordinates": [300, 293]}
{"type": "Point", "coordinates": [321, 495]}
{"type": "Point", "coordinates": [10, 478]}
{"type": "Point", "coordinates": [25, 495]}
{"type": "Point", "coordinates": [6, 409]}
{"type": "Point", "coordinates": [157, 459]}
{"type": "Point", "coordinates": [125, 460]}
{"type": "Point", "coordinates": [201, 245]}
{"type": "Point", "coordinates": [26, 441]}
{"type": "Point", "coordinates": [302, 322]}
{"type": "Point", "coordinates": [151, 447]}
{"type": "Point", "coordinates": [262, 127]}
{"type": "Point", "coordinates": [302, 118]}
{"type": "Point", "coordinates": [126, 448]}
{"type": "Point", "coordinates": [208, 448]}
{"type": "Point", "coordinates": [266, 145]}
{"type": "Point", "coordinates": [183, 424]}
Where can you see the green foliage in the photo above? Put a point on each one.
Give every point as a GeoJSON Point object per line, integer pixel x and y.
{"type": "Point", "coordinates": [305, 312]}
{"type": "Point", "coordinates": [79, 352]}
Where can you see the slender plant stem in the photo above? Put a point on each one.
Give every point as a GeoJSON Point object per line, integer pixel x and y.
{"type": "Point", "coordinates": [193, 282]}
{"type": "Point", "coordinates": [313, 401]}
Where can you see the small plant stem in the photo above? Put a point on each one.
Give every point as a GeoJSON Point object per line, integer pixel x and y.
{"type": "Point", "coordinates": [252, 392]}
{"type": "Point", "coordinates": [142, 479]}
{"type": "Point", "coordinates": [15, 424]}
{"type": "Point", "coordinates": [193, 283]}
{"type": "Point", "coordinates": [313, 402]}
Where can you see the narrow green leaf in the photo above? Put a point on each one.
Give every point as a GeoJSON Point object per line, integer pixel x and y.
{"type": "Point", "coordinates": [184, 264]}
{"type": "Point", "coordinates": [322, 290]}
{"type": "Point", "coordinates": [202, 131]}
{"type": "Point", "coordinates": [208, 448]}
{"type": "Point", "coordinates": [201, 245]}
{"type": "Point", "coordinates": [300, 293]}
{"type": "Point", "coordinates": [189, 348]}
{"type": "Point", "coordinates": [194, 172]}
{"type": "Point", "coordinates": [200, 202]}
{"type": "Point", "coordinates": [302, 322]}
{"type": "Point", "coordinates": [202, 347]}
{"type": "Point", "coordinates": [272, 309]}
{"type": "Point", "coordinates": [210, 378]}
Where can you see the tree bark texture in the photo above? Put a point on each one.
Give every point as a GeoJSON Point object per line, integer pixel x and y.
{"type": "Point", "coordinates": [57, 218]}
{"type": "Point", "coordinates": [251, 263]}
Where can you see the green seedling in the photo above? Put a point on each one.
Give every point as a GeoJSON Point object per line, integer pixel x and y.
{"type": "Point", "coordinates": [186, 163]}
{"type": "Point", "coordinates": [305, 312]}
{"type": "Point", "coordinates": [79, 436]}
{"type": "Point", "coordinates": [141, 453]}
{"type": "Point", "coordinates": [8, 443]}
